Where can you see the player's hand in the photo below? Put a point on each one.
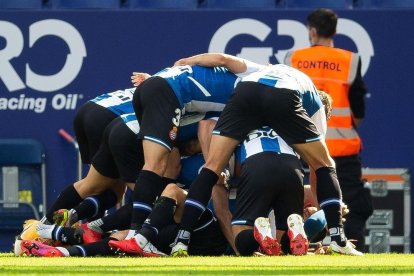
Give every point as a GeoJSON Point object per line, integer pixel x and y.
{"type": "Point", "coordinates": [344, 210]}
{"type": "Point", "coordinates": [321, 249]}
{"type": "Point", "coordinates": [137, 78]}
{"type": "Point", "coordinates": [308, 211]}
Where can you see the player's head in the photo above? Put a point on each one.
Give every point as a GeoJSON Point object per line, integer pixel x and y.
{"type": "Point", "coordinates": [322, 22]}
{"type": "Point", "coordinates": [327, 102]}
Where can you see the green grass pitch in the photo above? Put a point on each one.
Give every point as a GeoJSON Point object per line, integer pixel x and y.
{"type": "Point", "coordinates": [370, 264]}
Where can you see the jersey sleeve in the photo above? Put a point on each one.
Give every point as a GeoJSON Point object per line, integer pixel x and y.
{"type": "Point", "coordinates": [319, 119]}
{"type": "Point", "coordinates": [251, 68]}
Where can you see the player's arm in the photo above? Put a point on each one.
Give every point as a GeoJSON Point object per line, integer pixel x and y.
{"type": "Point", "coordinates": [223, 214]}
{"type": "Point", "coordinates": [309, 197]}
{"type": "Point", "coordinates": [219, 193]}
{"type": "Point", "coordinates": [234, 64]}
{"type": "Point", "coordinates": [205, 128]}
{"type": "Point", "coordinates": [356, 96]}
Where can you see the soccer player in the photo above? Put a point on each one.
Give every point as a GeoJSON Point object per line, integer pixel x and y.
{"type": "Point", "coordinates": [89, 125]}
{"type": "Point", "coordinates": [272, 96]}
{"type": "Point", "coordinates": [271, 177]}
{"type": "Point", "coordinates": [161, 103]}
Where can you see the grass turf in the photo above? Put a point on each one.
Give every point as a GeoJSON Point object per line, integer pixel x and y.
{"type": "Point", "coordinates": [370, 264]}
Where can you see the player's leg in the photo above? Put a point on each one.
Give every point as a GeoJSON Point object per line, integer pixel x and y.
{"type": "Point", "coordinates": [118, 220]}
{"type": "Point", "coordinates": [89, 232]}
{"type": "Point", "coordinates": [91, 208]}
{"type": "Point", "coordinates": [199, 194]}
{"type": "Point", "coordinates": [158, 112]}
{"type": "Point", "coordinates": [163, 214]}
{"type": "Point", "coordinates": [167, 207]}
{"type": "Point", "coordinates": [236, 120]}
{"type": "Point", "coordinates": [288, 204]}
{"type": "Point", "coordinates": [99, 248]}
{"type": "Point", "coordinates": [102, 175]}
{"type": "Point", "coordinates": [356, 196]}
{"type": "Point", "coordinates": [93, 183]}
{"type": "Point", "coordinates": [208, 238]}
{"type": "Point", "coordinates": [259, 184]}
{"type": "Point", "coordinates": [327, 187]}
{"type": "Point", "coordinates": [89, 124]}
{"type": "Point", "coordinates": [119, 158]}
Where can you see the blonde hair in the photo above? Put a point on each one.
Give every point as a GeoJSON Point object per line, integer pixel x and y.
{"type": "Point", "coordinates": [327, 102]}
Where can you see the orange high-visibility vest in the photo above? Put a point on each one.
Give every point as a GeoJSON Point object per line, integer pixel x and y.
{"type": "Point", "coordinates": [332, 70]}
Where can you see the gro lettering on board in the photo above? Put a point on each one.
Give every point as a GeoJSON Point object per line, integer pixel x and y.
{"type": "Point", "coordinates": [294, 29]}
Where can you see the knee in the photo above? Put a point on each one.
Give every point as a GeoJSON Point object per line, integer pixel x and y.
{"type": "Point", "coordinates": [85, 189]}
{"type": "Point", "coordinates": [174, 192]}
{"type": "Point", "coordinates": [214, 166]}
{"type": "Point", "coordinates": [156, 167]}
{"type": "Point", "coordinates": [245, 243]}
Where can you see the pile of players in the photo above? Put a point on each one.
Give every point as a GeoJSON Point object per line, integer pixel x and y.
{"type": "Point", "coordinates": [181, 141]}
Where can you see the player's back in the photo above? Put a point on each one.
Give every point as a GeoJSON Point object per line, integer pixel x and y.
{"type": "Point", "coordinates": [119, 102]}
{"type": "Point", "coordinates": [200, 89]}
{"type": "Point", "coordinates": [283, 76]}
{"type": "Point", "coordinates": [261, 140]}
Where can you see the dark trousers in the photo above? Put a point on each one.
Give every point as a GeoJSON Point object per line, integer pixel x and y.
{"type": "Point", "coordinates": [356, 196]}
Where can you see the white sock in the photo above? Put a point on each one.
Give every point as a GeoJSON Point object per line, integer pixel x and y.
{"type": "Point", "coordinates": [96, 225]}
{"type": "Point", "coordinates": [141, 240]}
{"type": "Point", "coordinates": [44, 230]}
{"type": "Point", "coordinates": [63, 250]}
{"type": "Point", "coordinates": [131, 234]}
{"type": "Point", "coordinates": [337, 234]}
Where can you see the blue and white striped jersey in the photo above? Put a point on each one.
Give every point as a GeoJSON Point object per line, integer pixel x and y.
{"type": "Point", "coordinates": [187, 131]}
{"type": "Point", "coordinates": [261, 140]}
{"type": "Point", "coordinates": [200, 89]}
{"type": "Point", "coordinates": [119, 102]}
{"type": "Point", "coordinates": [283, 76]}
{"type": "Point", "coordinates": [131, 121]}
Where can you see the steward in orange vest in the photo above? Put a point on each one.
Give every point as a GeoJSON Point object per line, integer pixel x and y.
{"type": "Point", "coordinates": [334, 71]}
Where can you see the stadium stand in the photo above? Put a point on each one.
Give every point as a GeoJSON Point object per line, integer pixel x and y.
{"type": "Point", "coordinates": [241, 4]}
{"type": "Point", "coordinates": [21, 4]}
{"type": "Point", "coordinates": [313, 4]}
{"type": "Point", "coordinates": [205, 4]}
{"type": "Point", "coordinates": [162, 4]}
{"type": "Point", "coordinates": [388, 4]}
{"type": "Point", "coordinates": [85, 4]}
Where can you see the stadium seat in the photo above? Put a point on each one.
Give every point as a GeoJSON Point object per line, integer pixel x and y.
{"type": "Point", "coordinates": [86, 4]}
{"type": "Point", "coordinates": [21, 4]}
{"type": "Point", "coordinates": [240, 4]}
{"type": "Point", "coordinates": [22, 181]}
{"type": "Point", "coordinates": [163, 4]}
{"type": "Point", "coordinates": [388, 4]}
{"type": "Point", "coordinates": [314, 4]}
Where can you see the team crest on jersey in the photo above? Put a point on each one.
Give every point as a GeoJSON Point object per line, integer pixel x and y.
{"type": "Point", "coordinates": [173, 133]}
